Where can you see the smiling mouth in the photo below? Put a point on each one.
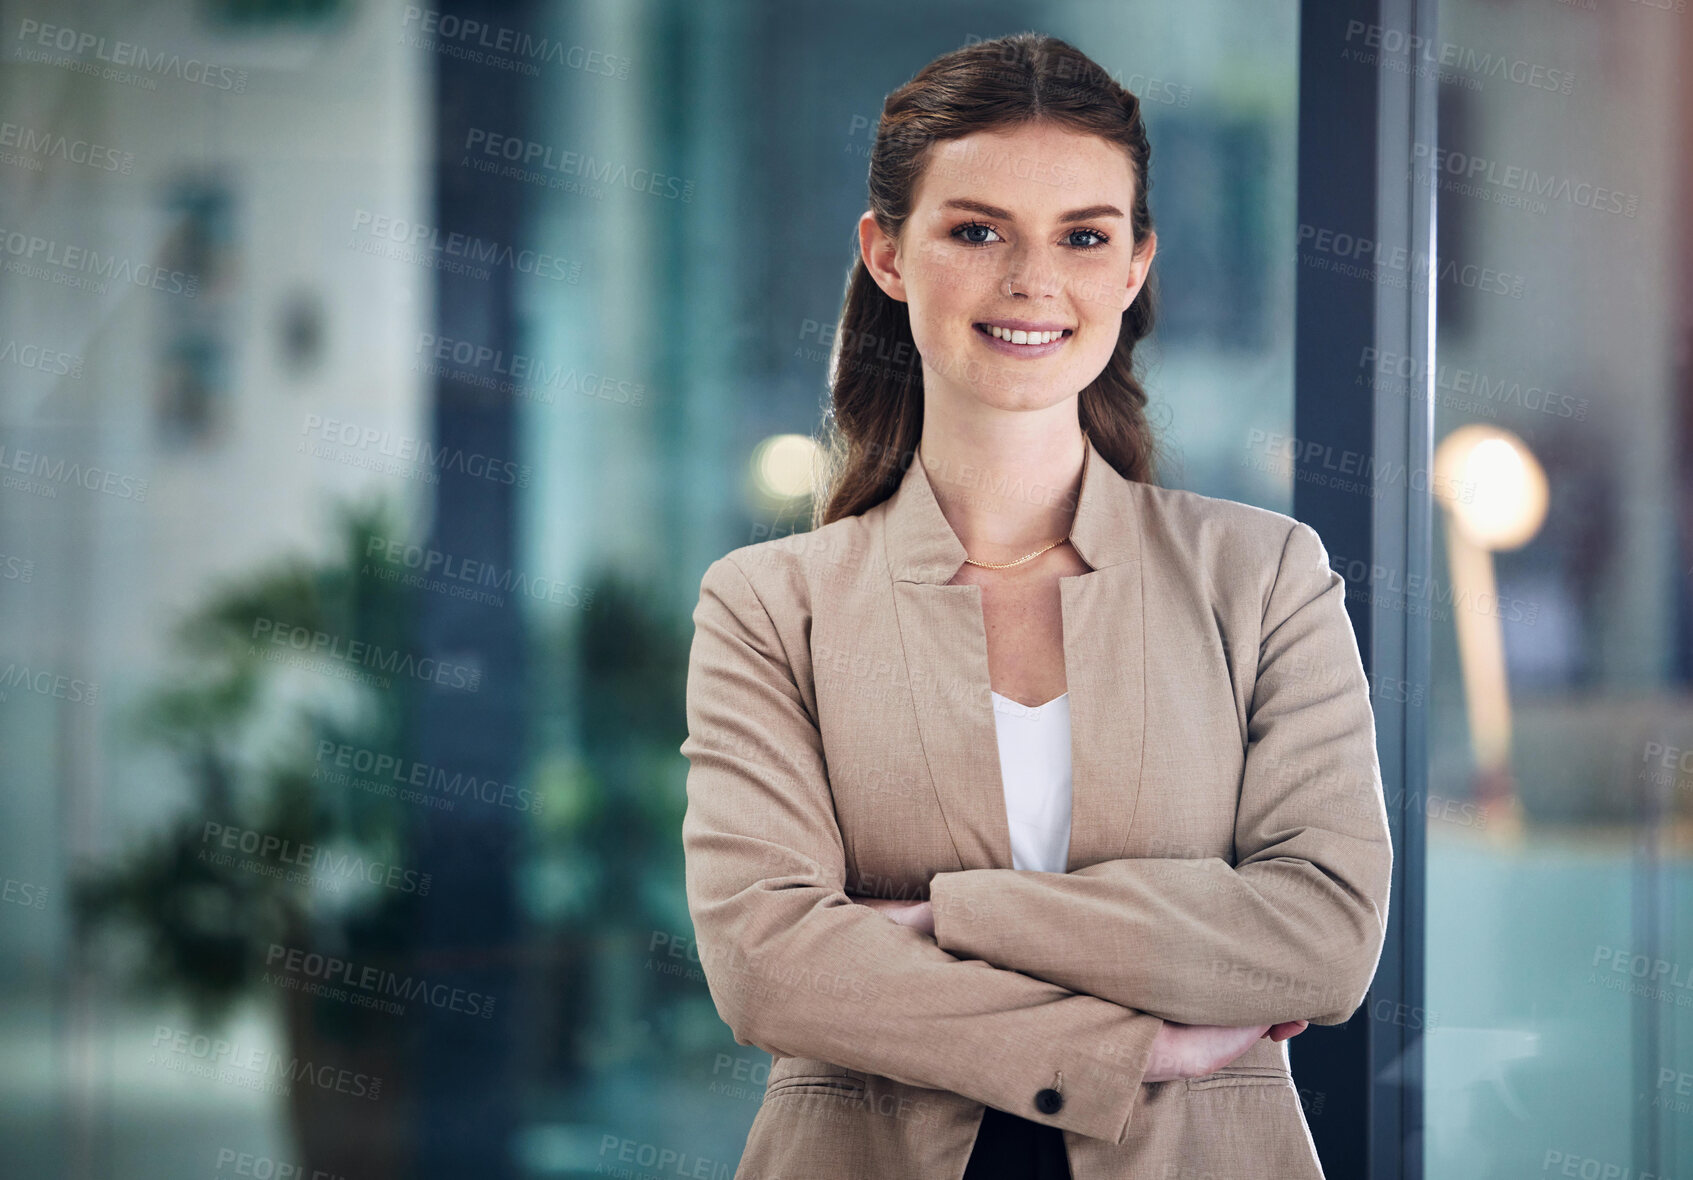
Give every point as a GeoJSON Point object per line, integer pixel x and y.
{"type": "Point", "coordinates": [1010, 336]}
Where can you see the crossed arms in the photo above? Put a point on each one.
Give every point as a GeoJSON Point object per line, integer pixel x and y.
{"type": "Point", "coordinates": [993, 1008]}
{"type": "Point", "coordinates": [1294, 929]}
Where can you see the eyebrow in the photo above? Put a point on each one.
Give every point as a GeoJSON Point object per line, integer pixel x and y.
{"type": "Point", "coordinates": [1090, 213]}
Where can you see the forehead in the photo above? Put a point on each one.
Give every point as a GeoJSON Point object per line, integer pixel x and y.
{"type": "Point", "coordinates": [1038, 167]}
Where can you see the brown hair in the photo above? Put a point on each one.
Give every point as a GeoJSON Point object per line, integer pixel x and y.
{"type": "Point", "coordinates": [875, 374]}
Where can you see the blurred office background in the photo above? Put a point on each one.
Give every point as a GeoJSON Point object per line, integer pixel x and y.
{"type": "Point", "coordinates": [377, 380]}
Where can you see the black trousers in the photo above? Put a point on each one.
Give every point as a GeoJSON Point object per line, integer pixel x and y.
{"type": "Point", "coordinates": [1009, 1147]}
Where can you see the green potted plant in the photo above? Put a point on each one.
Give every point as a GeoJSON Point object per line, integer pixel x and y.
{"type": "Point", "coordinates": [203, 914]}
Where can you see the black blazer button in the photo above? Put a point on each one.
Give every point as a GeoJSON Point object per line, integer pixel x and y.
{"type": "Point", "coordinates": [1048, 1101]}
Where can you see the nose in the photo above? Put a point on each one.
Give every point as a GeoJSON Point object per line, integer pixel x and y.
{"type": "Point", "coordinates": [1033, 274]}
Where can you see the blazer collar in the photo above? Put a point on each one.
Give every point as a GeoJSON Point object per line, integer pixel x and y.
{"type": "Point", "coordinates": [943, 643]}
{"type": "Point", "coordinates": [922, 546]}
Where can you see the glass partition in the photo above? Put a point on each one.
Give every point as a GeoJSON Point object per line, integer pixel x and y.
{"type": "Point", "coordinates": [1559, 950]}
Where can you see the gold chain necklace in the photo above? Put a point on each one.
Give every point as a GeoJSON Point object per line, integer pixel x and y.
{"type": "Point", "coordinates": [970, 561]}
{"type": "Point", "coordinates": [999, 565]}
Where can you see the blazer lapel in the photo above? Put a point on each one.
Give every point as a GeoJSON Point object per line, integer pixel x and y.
{"type": "Point", "coordinates": [944, 637]}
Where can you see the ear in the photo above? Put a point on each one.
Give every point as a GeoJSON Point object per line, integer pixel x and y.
{"type": "Point", "coordinates": [880, 253]}
{"type": "Point", "coordinates": [1139, 269]}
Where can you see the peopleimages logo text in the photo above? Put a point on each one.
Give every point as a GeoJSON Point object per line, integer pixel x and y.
{"type": "Point", "coordinates": [80, 45]}
{"type": "Point", "coordinates": [409, 448]}
{"type": "Point", "coordinates": [378, 981]}
{"type": "Point", "coordinates": [55, 469]}
{"type": "Point", "coordinates": [358, 652]}
{"type": "Point", "coordinates": [315, 858]}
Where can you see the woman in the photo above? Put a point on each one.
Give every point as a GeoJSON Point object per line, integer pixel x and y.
{"type": "Point", "coordinates": [1031, 807]}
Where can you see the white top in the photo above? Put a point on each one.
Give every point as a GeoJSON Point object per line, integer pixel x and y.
{"type": "Point", "coordinates": [1034, 761]}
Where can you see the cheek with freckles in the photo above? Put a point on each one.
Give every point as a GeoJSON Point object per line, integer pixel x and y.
{"type": "Point", "coordinates": [940, 317]}
{"type": "Point", "coordinates": [952, 283]}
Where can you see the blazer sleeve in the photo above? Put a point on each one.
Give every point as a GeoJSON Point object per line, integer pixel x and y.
{"type": "Point", "coordinates": [796, 968]}
{"type": "Point", "coordinates": [1293, 930]}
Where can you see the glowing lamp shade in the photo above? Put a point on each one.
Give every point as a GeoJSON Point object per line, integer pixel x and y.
{"type": "Point", "coordinates": [1493, 486]}
{"type": "Point", "coordinates": [782, 466]}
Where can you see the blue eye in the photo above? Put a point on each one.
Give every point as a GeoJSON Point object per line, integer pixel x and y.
{"type": "Point", "coordinates": [974, 225]}
{"type": "Point", "coordinates": [962, 234]}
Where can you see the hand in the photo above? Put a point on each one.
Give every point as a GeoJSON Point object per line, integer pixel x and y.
{"type": "Point", "coordinates": [915, 914]}
{"type": "Point", "coordinates": [1194, 1050]}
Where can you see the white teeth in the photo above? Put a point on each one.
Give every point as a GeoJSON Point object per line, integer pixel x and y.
{"type": "Point", "coordinates": [1021, 337]}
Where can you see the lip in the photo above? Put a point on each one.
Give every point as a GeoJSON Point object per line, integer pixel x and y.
{"type": "Point", "coordinates": [1027, 325]}
{"type": "Point", "coordinates": [1022, 351]}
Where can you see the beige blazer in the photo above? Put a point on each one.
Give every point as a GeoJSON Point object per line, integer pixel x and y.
{"type": "Point", "coordinates": [1229, 851]}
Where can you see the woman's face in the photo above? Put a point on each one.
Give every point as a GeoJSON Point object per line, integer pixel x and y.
{"type": "Point", "coordinates": [1014, 228]}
